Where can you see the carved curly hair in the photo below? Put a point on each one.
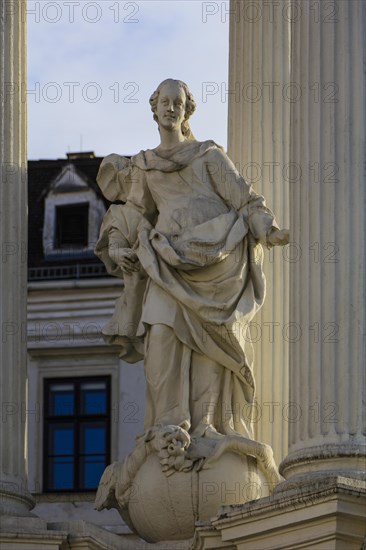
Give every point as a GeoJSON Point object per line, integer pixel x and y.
{"type": "Point", "coordinates": [189, 109]}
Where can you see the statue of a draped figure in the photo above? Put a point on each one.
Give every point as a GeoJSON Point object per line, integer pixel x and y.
{"type": "Point", "coordinates": [187, 242]}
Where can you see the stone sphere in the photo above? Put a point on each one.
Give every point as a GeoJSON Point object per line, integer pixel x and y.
{"type": "Point", "coordinates": [166, 508]}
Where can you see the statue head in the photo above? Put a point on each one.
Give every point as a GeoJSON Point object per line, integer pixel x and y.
{"type": "Point", "coordinates": [187, 97]}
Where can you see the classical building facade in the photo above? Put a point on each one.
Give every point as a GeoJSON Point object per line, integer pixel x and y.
{"type": "Point", "coordinates": [85, 405]}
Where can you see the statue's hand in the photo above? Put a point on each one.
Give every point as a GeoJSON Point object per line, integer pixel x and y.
{"type": "Point", "coordinates": [127, 260]}
{"type": "Point", "coordinates": [278, 237]}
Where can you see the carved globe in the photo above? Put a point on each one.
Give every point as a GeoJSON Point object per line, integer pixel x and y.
{"type": "Point", "coordinates": [165, 508]}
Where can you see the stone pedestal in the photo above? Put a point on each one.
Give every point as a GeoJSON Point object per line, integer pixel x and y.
{"type": "Point", "coordinates": [258, 143]}
{"type": "Point", "coordinates": [14, 497]}
{"type": "Point", "coordinates": [327, 514]}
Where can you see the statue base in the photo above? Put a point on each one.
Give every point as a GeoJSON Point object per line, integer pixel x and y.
{"type": "Point", "coordinates": [171, 481]}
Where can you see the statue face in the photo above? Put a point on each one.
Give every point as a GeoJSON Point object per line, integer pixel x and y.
{"type": "Point", "coordinates": [171, 106]}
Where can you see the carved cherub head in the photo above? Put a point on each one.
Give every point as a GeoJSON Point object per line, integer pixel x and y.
{"type": "Point", "coordinates": [184, 105]}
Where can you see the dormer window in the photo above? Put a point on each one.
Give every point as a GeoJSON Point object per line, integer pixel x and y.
{"type": "Point", "coordinates": [73, 214]}
{"type": "Point", "coordinates": [71, 227]}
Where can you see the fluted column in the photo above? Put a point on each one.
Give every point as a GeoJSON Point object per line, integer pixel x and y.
{"type": "Point", "coordinates": [259, 123]}
{"type": "Point", "coordinates": [328, 278]}
{"type": "Point", "coordinates": [14, 498]}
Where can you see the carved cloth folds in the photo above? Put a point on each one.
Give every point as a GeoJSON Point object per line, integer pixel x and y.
{"type": "Point", "coordinates": [196, 227]}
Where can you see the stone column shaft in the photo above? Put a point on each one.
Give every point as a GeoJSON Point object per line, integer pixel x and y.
{"type": "Point", "coordinates": [259, 123]}
{"type": "Point", "coordinates": [14, 498]}
{"type": "Point", "coordinates": [328, 278]}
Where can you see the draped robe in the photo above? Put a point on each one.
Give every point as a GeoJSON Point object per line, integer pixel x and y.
{"type": "Point", "coordinates": [197, 228]}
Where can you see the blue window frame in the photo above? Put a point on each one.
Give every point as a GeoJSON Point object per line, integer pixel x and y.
{"type": "Point", "coordinates": [76, 433]}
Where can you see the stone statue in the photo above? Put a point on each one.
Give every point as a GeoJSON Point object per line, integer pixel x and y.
{"type": "Point", "coordinates": [187, 242]}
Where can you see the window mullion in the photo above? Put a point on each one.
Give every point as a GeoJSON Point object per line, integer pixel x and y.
{"type": "Point", "coordinates": [77, 435]}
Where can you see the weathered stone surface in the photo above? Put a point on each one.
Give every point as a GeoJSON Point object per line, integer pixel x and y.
{"type": "Point", "coordinates": [328, 280]}
{"type": "Point", "coordinates": [326, 513]}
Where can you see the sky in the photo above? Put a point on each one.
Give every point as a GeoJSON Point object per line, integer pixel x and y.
{"type": "Point", "coordinates": [92, 66]}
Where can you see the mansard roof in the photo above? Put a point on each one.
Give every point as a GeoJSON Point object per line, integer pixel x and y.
{"type": "Point", "coordinates": [73, 174]}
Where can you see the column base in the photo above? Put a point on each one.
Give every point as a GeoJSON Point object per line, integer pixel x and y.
{"type": "Point", "coordinates": [326, 514]}
{"type": "Point", "coordinates": [345, 460]}
{"type": "Point", "coordinates": [15, 501]}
